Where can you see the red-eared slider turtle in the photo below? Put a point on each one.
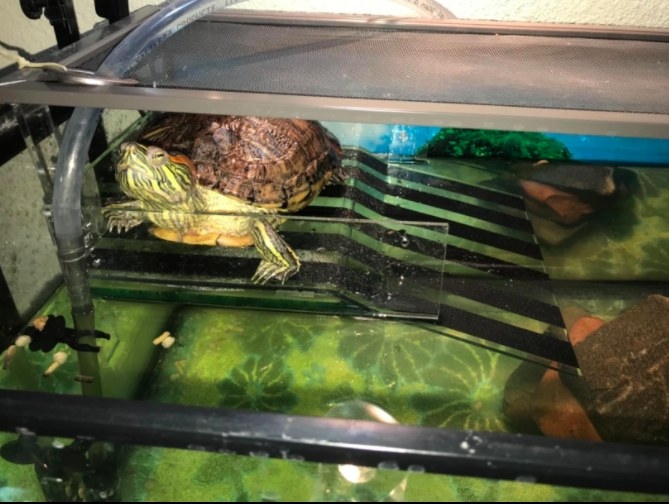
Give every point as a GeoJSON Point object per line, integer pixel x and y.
{"type": "Point", "coordinates": [186, 171]}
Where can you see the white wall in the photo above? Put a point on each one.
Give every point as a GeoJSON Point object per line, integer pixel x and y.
{"type": "Point", "coordinates": [34, 35]}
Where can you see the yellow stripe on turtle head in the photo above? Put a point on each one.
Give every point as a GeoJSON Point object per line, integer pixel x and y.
{"type": "Point", "coordinates": [151, 175]}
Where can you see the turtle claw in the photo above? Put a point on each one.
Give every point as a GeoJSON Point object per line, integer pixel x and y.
{"type": "Point", "coordinates": [120, 220]}
{"type": "Point", "coordinates": [279, 261]}
{"type": "Point", "coordinates": [121, 226]}
{"type": "Point", "coordinates": [267, 271]}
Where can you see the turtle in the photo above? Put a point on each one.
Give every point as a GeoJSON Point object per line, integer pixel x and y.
{"type": "Point", "coordinates": [223, 180]}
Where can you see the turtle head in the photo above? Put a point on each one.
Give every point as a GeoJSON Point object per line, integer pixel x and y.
{"type": "Point", "coordinates": [152, 175]}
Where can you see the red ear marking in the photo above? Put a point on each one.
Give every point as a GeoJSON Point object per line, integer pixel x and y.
{"type": "Point", "coordinates": [184, 160]}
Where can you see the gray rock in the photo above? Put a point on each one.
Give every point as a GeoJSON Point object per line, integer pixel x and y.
{"type": "Point", "coordinates": [625, 365]}
{"type": "Point", "coordinates": [590, 178]}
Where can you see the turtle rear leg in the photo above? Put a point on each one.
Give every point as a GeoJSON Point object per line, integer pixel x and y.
{"type": "Point", "coordinates": [278, 259]}
{"type": "Point", "coordinates": [123, 216]}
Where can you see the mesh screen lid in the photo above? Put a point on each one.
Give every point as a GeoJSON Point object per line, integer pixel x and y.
{"type": "Point", "coordinates": [395, 64]}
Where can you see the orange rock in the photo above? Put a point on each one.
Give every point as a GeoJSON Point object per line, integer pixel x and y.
{"type": "Point", "coordinates": [566, 208]}
{"type": "Point", "coordinates": [540, 192]}
{"type": "Point", "coordinates": [558, 413]}
{"type": "Point", "coordinates": [583, 327]}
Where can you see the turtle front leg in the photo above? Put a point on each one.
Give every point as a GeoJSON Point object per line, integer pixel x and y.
{"type": "Point", "coordinates": [123, 216]}
{"type": "Point", "coordinates": [279, 260]}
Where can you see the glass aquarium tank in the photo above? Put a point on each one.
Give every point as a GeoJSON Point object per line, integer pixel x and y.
{"type": "Point", "coordinates": [363, 261]}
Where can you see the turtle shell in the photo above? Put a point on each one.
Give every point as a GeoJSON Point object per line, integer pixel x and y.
{"type": "Point", "coordinates": [269, 162]}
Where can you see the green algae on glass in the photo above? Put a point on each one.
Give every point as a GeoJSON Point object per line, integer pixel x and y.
{"type": "Point", "coordinates": [183, 476]}
{"type": "Point", "coordinates": [426, 487]}
{"type": "Point", "coordinates": [655, 255]}
{"type": "Point", "coordinates": [124, 359]}
{"type": "Point", "coordinates": [222, 475]}
{"type": "Point", "coordinates": [282, 332]}
{"type": "Point", "coordinates": [440, 381]}
{"type": "Point", "coordinates": [393, 352]}
{"type": "Point", "coordinates": [18, 482]}
{"type": "Point", "coordinates": [322, 376]}
{"type": "Point", "coordinates": [653, 184]}
{"type": "Point", "coordinates": [259, 383]}
{"type": "Point", "coordinates": [466, 388]}
{"type": "Point", "coordinates": [188, 476]}
{"type": "Point", "coordinates": [417, 375]}
{"type": "Point", "coordinates": [206, 349]}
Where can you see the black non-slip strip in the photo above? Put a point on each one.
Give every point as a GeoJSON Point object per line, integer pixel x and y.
{"type": "Point", "coordinates": [208, 267]}
{"type": "Point", "coordinates": [447, 204]}
{"type": "Point", "coordinates": [311, 241]}
{"type": "Point", "coordinates": [507, 335]}
{"type": "Point", "coordinates": [492, 265]}
{"type": "Point", "coordinates": [485, 237]}
{"type": "Point", "coordinates": [453, 186]}
{"type": "Point", "coordinates": [473, 289]}
{"type": "Point", "coordinates": [348, 281]}
{"type": "Point", "coordinates": [503, 296]}
{"type": "Point", "coordinates": [515, 301]}
{"type": "Point", "coordinates": [486, 329]}
{"type": "Point", "coordinates": [449, 317]}
{"type": "Point", "coordinates": [472, 233]}
{"type": "Point", "coordinates": [465, 231]}
{"type": "Point", "coordinates": [484, 292]}
{"type": "Point", "coordinates": [217, 266]}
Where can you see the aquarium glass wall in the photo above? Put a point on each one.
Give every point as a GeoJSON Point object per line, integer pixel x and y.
{"type": "Point", "coordinates": [56, 470]}
{"type": "Point", "coordinates": [484, 280]}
